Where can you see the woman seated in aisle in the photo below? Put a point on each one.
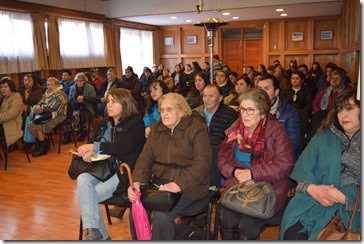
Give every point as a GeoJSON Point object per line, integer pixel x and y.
{"type": "Point", "coordinates": [11, 110]}
{"type": "Point", "coordinates": [82, 100]}
{"type": "Point", "coordinates": [257, 148]}
{"type": "Point", "coordinates": [54, 100]}
{"type": "Point", "coordinates": [121, 135]}
{"type": "Point", "coordinates": [242, 84]}
{"type": "Point", "coordinates": [327, 173]}
{"type": "Point", "coordinates": [177, 152]}
{"type": "Point", "coordinates": [167, 79]}
{"type": "Point", "coordinates": [157, 89]}
{"type": "Point", "coordinates": [194, 97]}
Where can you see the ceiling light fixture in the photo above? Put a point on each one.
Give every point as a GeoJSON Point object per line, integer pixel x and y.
{"type": "Point", "coordinates": [283, 14]}
{"type": "Point", "coordinates": [279, 9]}
{"type": "Point", "coordinates": [226, 13]}
{"type": "Point", "coordinates": [174, 17]}
{"type": "Point", "coordinates": [188, 20]}
{"type": "Point", "coordinates": [235, 17]}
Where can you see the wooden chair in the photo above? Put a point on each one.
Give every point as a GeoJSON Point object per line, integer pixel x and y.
{"type": "Point", "coordinates": [4, 147]}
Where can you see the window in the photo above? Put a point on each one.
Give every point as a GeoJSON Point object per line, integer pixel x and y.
{"type": "Point", "coordinates": [16, 43]}
{"type": "Point", "coordinates": [136, 49]}
{"type": "Point", "coordinates": [81, 43]}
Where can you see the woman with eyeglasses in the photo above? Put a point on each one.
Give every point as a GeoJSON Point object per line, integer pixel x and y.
{"type": "Point", "coordinates": [178, 153]}
{"type": "Point", "coordinates": [327, 173]}
{"type": "Point", "coordinates": [257, 148]}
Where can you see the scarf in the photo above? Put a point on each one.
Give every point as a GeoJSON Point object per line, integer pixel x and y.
{"type": "Point", "coordinates": [254, 145]}
{"type": "Point", "coordinates": [326, 97]}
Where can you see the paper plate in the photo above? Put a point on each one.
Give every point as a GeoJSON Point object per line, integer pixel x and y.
{"type": "Point", "coordinates": [100, 157]}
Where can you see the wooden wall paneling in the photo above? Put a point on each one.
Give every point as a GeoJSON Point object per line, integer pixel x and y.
{"type": "Point", "coordinates": [323, 59]}
{"type": "Point", "coordinates": [274, 36]}
{"type": "Point", "coordinates": [192, 48]}
{"type": "Point", "coordinates": [301, 59]}
{"type": "Point", "coordinates": [271, 59]}
{"type": "Point", "coordinates": [169, 63]}
{"type": "Point", "coordinates": [232, 54]}
{"type": "Point", "coordinates": [326, 25]}
{"type": "Point", "coordinates": [282, 40]}
{"type": "Point", "coordinates": [350, 62]}
{"type": "Point", "coordinates": [356, 16]}
{"type": "Point", "coordinates": [252, 52]}
{"type": "Point", "coordinates": [292, 26]}
{"type": "Point", "coordinates": [169, 49]}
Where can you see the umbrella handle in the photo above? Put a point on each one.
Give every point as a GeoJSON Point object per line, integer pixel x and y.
{"type": "Point", "coordinates": [125, 165]}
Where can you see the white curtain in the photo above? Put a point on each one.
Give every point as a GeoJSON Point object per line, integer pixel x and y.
{"type": "Point", "coordinates": [16, 43]}
{"type": "Point", "coordinates": [81, 43]}
{"type": "Point", "coordinates": [136, 49]}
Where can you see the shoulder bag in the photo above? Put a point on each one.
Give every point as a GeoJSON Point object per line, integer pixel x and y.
{"type": "Point", "coordinates": [256, 200]}
{"type": "Point", "coordinates": [335, 230]}
{"type": "Point", "coordinates": [101, 170]}
{"type": "Point", "coordinates": [42, 118]}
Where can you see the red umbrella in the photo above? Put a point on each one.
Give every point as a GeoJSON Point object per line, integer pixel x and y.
{"type": "Point", "coordinates": [140, 217]}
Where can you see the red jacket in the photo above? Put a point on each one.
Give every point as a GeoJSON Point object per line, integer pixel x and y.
{"type": "Point", "coordinates": [278, 160]}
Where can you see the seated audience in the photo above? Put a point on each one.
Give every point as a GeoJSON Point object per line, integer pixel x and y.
{"type": "Point", "coordinates": [327, 173]}
{"type": "Point", "coordinates": [242, 84]}
{"type": "Point", "coordinates": [233, 77]}
{"type": "Point", "coordinates": [131, 82]}
{"type": "Point", "coordinates": [157, 89]}
{"type": "Point", "coordinates": [315, 71]}
{"type": "Point", "coordinates": [180, 81]}
{"type": "Point", "coordinates": [108, 84]}
{"type": "Point", "coordinates": [11, 110]}
{"type": "Point", "coordinates": [324, 80]}
{"type": "Point", "coordinates": [54, 100]}
{"type": "Point", "coordinates": [81, 98]}
{"type": "Point", "coordinates": [178, 152]}
{"type": "Point", "coordinates": [223, 82]}
{"type": "Point", "coordinates": [257, 148]}
{"type": "Point", "coordinates": [96, 79]}
{"type": "Point", "coordinates": [262, 69]}
{"type": "Point", "coordinates": [167, 79]}
{"type": "Point", "coordinates": [66, 81]}
{"type": "Point", "coordinates": [194, 96]}
{"type": "Point", "coordinates": [121, 135]}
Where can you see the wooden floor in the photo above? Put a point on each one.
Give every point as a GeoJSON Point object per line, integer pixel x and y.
{"type": "Point", "coordinates": [38, 200]}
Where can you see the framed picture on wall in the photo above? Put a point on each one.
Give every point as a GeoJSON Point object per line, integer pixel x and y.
{"type": "Point", "coordinates": [297, 36]}
{"type": "Point", "coordinates": [191, 39]}
{"type": "Point", "coordinates": [168, 41]}
{"type": "Point", "coordinates": [326, 35]}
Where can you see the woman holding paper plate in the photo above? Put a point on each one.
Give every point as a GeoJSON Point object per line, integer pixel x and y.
{"type": "Point", "coordinates": [120, 136]}
{"type": "Point", "coordinates": [257, 148]}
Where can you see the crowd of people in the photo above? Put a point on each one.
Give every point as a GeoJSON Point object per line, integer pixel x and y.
{"type": "Point", "coordinates": [269, 124]}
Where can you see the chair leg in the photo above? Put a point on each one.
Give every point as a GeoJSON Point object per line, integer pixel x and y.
{"type": "Point", "coordinates": [26, 151]}
{"type": "Point", "coordinates": [81, 230]}
{"type": "Point", "coordinates": [216, 224]}
{"type": "Point", "coordinates": [5, 150]}
{"type": "Point", "coordinates": [208, 222]}
{"type": "Point", "coordinates": [50, 138]}
{"type": "Point", "coordinates": [108, 214]}
{"type": "Point", "coordinates": [60, 139]}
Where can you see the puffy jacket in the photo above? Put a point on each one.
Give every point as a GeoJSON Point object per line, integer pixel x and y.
{"type": "Point", "coordinates": [277, 165]}
{"type": "Point", "coordinates": [183, 155]}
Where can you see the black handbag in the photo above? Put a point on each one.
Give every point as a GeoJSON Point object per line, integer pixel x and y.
{"type": "Point", "coordinates": [156, 200]}
{"type": "Point", "coordinates": [42, 118]}
{"type": "Point", "coordinates": [101, 170]}
{"type": "Point", "coordinates": [256, 200]}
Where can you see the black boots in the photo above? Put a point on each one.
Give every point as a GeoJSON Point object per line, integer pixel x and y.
{"type": "Point", "coordinates": [66, 138]}
{"type": "Point", "coordinates": [93, 234]}
{"type": "Point", "coordinates": [44, 147]}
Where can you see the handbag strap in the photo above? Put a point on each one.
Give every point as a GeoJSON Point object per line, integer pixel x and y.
{"type": "Point", "coordinates": [355, 207]}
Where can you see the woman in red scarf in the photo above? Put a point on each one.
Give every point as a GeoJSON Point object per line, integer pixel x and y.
{"type": "Point", "coordinates": [257, 149]}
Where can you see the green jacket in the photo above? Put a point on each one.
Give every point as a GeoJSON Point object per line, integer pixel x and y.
{"type": "Point", "coordinates": [319, 164]}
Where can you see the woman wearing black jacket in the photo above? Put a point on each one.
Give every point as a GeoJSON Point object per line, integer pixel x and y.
{"type": "Point", "coordinates": [122, 137]}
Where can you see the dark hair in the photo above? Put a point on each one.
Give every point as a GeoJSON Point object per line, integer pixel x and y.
{"type": "Point", "coordinates": [130, 69]}
{"type": "Point", "coordinates": [196, 66]}
{"type": "Point", "coordinates": [271, 67]}
{"type": "Point", "coordinates": [341, 102]}
{"type": "Point", "coordinates": [189, 65]}
{"type": "Point", "coordinates": [9, 81]}
{"type": "Point", "coordinates": [273, 79]}
{"type": "Point", "coordinates": [216, 56]}
{"type": "Point", "coordinates": [303, 66]}
{"type": "Point", "coordinates": [248, 82]}
{"type": "Point", "coordinates": [341, 72]}
{"type": "Point", "coordinates": [331, 66]}
{"type": "Point", "coordinates": [127, 101]}
{"type": "Point", "coordinates": [299, 73]}
{"type": "Point", "coordinates": [317, 63]}
{"type": "Point", "coordinates": [67, 71]}
{"type": "Point", "coordinates": [35, 82]}
{"type": "Point", "coordinates": [147, 70]}
{"type": "Point", "coordinates": [206, 63]}
{"type": "Point", "coordinates": [222, 71]}
{"type": "Point", "coordinates": [264, 68]}
{"type": "Point", "coordinates": [233, 73]}
{"type": "Point", "coordinates": [165, 90]}
{"type": "Point", "coordinates": [203, 75]}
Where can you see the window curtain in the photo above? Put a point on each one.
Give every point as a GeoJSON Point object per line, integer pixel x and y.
{"type": "Point", "coordinates": [16, 43]}
{"type": "Point", "coordinates": [81, 43]}
{"type": "Point", "coordinates": [136, 49]}
{"type": "Point", "coordinates": [109, 53]}
{"type": "Point", "coordinates": [39, 37]}
{"type": "Point", "coordinates": [54, 57]}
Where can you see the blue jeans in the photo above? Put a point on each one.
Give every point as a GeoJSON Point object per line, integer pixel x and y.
{"type": "Point", "coordinates": [90, 192]}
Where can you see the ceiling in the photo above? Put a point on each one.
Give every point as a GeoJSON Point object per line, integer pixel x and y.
{"type": "Point", "coordinates": [159, 12]}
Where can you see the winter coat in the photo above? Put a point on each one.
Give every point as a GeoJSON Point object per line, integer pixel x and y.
{"type": "Point", "coordinates": [89, 97]}
{"type": "Point", "coordinates": [277, 165]}
{"type": "Point", "coordinates": [127, 141]}
{"type": "Point", "coordinates": [182, 154]}
{"type": "Point", "coordinates": [10, 117]}
{"type": "Point", "coordinates": [35, 94]}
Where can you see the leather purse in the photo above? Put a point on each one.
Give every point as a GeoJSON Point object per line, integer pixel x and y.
{"type": "Point", "coordinates": [42, 118]}
{"type": "Point", "coordinates": [101, 170]}
{"type": "Point", "coordinates": [336, 230]}
{"type": "Point", "coordinates": [256, 200]}
{"type": "Point", "coordinates": [156, 200]}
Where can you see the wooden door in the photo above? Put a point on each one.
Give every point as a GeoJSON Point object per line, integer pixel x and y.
{"type": "Point", "coordinates": [236, 53]}
{"type": "Point", "coordinates": [252, 52]}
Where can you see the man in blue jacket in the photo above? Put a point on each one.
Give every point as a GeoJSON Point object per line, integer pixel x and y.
{"type": "Point", "coordinates": [284, 112]}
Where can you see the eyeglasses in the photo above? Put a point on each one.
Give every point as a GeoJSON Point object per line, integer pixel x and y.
{"type": "Point", "coordinates": [249, 111]}
{"type": "Point", "coordinates": [167, 109]}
